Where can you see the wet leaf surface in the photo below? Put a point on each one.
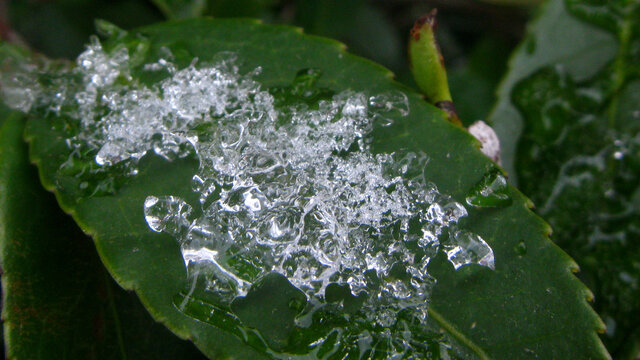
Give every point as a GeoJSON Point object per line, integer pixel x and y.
{"type": "Point", "coordinates": [532, 292]}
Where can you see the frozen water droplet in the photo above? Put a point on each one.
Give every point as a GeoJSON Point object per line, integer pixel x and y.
{"type": "Point", "coordinates": [491, 191]}
{"type": "Point", "coordinates": [389, 101]}
{"type": "Point", "coordinates": [253, 199]}
{"type": "Point", "coordinates": [167, 214]}
{"type": "Point", "coordinates": [468, 248]}
{"type": "Point", "coordinates": [110, 154]}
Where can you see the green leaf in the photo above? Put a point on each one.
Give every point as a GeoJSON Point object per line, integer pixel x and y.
{"type": "Point", "coordinates": [570, 121]}
{"type": "Point", "coordinates": [58, 300]}
{"type": "Point", "coordinates": [531, 292]}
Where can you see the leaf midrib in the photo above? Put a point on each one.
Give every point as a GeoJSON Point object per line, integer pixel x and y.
{"type": "Point", "coordinates": [451, 329]}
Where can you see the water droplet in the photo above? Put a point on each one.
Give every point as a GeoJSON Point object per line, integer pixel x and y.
{"type": "Point", "coordinates": [520, 248]}
{"type": "Point", "coordinates": [491, 191]}
{"type": "Point", "coordinates": [389, 101]}
{"type": "Point", "coordinates": [109, 30]}
{"type": "Point", "coordinates": [305, 80]}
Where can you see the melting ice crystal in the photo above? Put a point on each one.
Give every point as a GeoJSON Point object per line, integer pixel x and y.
{"type": "Point", "coordinates": [294, 190]}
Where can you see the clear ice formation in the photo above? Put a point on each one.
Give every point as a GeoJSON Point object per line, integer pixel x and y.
{"type": "Point", "coordinates": [294, 190]}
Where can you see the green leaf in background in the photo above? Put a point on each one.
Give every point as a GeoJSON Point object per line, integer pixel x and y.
{"type": "Point", "coordinates": [530, 305]}
{"type": "Point", "coordinates": [474, 83]}
{"type": "Point", "coordinates": [364, 28]}
{"type": "Point", "coordinates": [242, 8]}
{"type": "Point", "coordinates": [58, 300]}
{"type": "Point", "coordinates": [60, 28]}
{"type": "Point", "coordinates": [569, 120]}
{"type": "Point", "coordinates": [583, 51]}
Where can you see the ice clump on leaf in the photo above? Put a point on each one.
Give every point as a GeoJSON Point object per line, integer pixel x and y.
{"type": "Point", "coordinates": [293, 189]}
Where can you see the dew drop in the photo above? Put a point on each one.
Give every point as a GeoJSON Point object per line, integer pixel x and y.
{"type": "Point", "coordinates": [109, 30]}
{"type": "Point", "coordinates": [491, 191]}
{"type": "Point", "coordinates": [520, 248]}
{"type": "Point", "coordinates": [305, 80]}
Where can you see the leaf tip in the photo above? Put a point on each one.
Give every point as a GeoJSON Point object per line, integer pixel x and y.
{"type": "Point", "coordinates": [429, 19]}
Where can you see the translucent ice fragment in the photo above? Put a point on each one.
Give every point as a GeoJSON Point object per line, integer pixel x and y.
{"type": "Point", "coordinates": [469, 248]}
{"type": "Point", "coordinates": [99, 68]}
{"type": "Point", "coordinates": [168, 214]}
{"type": "Point", "coordinates": [221, 280]}
{"type": "Point", "coordinates": [203, 186]}
{"type": "Point", "coordinates": [447, 214]}
{"type": "Point", "coordinates": [254, 200]}
{"type": "Point", "coordinates": [19, 90]}
{"type": "Point", "coordinates": [110, 154]}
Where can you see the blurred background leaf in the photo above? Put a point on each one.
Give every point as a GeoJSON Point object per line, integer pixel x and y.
{"type": "Point", "coordinates": [569, 121]}
{"type": "Point", "coordinates": [61, 28]}
{"type": "Point", "coordinates": [59, 301]}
